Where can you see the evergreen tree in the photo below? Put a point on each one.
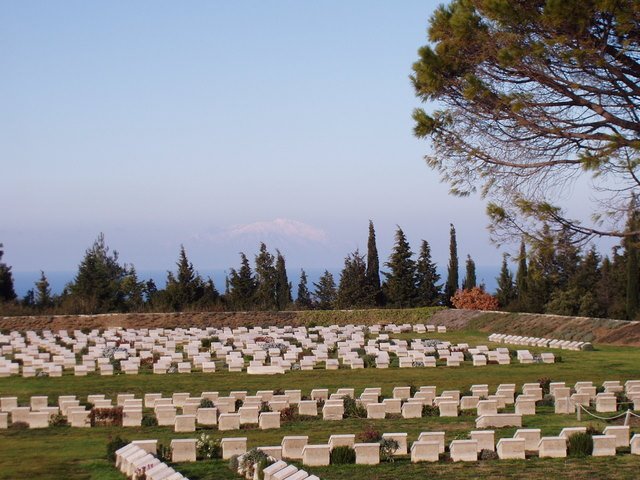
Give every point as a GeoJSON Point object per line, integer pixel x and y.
{"type": "Point", "coordinates": [470, 277]}
{"type": "Point", "coordinates": [325, 291]}
{"type": "Point", "coordinates": [150, 291]}
{"type": "Point", "coordinates": [242, 286]}
{"type": "Point", "coordinates": [186, 287]}
{"type": "Point", "coordinates": [43, 292]}
{"type": "Point", "coordinates": [506, 292]}
{"type": "Point", "coordinates": [7, 291]}
{"type": "Point", "coordinates": [283, 287]}
{"type": "Point", "coordinates": [373, 266]}
{"type": "Point", "coordinates": [521, 275]}
{"type": "Point", "coordinates": [29, 299]}
{"type": "Point", "coordinates": [266, 280]}
{"type": "Point", "coordinates": [567, 258]}
{"type": "Point", "coordinates": [132, 290]}
{"type": "Point", "coordinates": [353, 289]}
{"type": "Point", "coordinates": [427, 278]}
{"type": "Point", "coordinates": [401, 280]}
{"type": "Point", "coordinates": [452, 272]}
{"type": "Point", "coordinates": [96, 287]}
{"type": "Point", "coordinates": [303, 299]}
{"type": "Point", "coordinates": [631, 255]}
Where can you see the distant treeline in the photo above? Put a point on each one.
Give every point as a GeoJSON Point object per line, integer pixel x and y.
{"type": "Point", "coordinates": [554, 276]}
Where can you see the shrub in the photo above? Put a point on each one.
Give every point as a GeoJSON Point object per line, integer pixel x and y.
{"type": "Point", "coordinates": [115, 445]}
{"type": "Point", "coordinates": [19, 425]}
{"type": "Point", "coordinates": [206, 403]}
{"type": "Point", "coordinates": [106, 417]}
{"type": "Point", "coordinates": [353, 410]}
{"type": "Point", "coordinates": [412, 390]}
{"type": "Point", "coordinates": [239, 404]}
{"type": "Point", "coordinates": [369, 361]}
{"type": "Point", "coordinates": [388, 447]}
{"type": "Point", "coordinates": [206, 343]}
{"type": "Point", "coordinates": [58, 420]}
{"type": "Point", "coordinates": [580, 445]}
{"type": "Point", "coordinates": [252, 461]}
{"type": "Point", "coordinates": [593, 430]}
{"type": "Point", "coordinates": [486, 454]}
{"type": "Point", "coordinates": [430, 411]}
{"type": "Point", "coordinates": [342, 456]}
{"type": "Point", "coordinates": [369, 435]}
{"type": "Point", "coordinates": [265, 408]}
{"type": "Point", "coordinates": [474, 299]}
{"type": "Point", "coordinates": [233, 463]}
{"type": "Point", "coordinates": [289, 414]}
{"type": "Point", "coordinates": [208, 448]}
{"type": "Point", "coordinates": [623, 403]}
{"type": "Point", "coordinates": [547, 401]}
{"type": "Point", "coordinates": [163, 452]}
{"type": "Point", "coordinates": [149, 420]}
{"type": "Point", "coordinates": [545, 383]}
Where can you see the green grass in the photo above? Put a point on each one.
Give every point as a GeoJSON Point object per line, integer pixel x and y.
{"type": "Point", "coordinates": [71, 453]}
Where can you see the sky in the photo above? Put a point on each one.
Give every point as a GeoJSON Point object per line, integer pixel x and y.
{"type": "Point", "coordinates": [217, 125]}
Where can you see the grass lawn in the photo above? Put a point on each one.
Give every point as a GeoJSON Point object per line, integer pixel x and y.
{"type": "Point", "coordinates": [72, 453]}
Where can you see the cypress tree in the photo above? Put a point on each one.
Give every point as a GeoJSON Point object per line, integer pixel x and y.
{"type": "Point", "coordinates": [303, 299]}
{"type": "Point", "coordinates": [266, 280]}
{"type": "Point", "coordinates": [7, 290]}
{"type": "Point", "coordinates": [469, 281]}
{"type": "Point", "coordinates": [242, 286]}
{"type": "Point", "coordinates": [283, 287]}
{"type": "Point", "coordinates": [186, 287]}
{"type": "Point", "coordinates": [452, 272]}
{"type": "Point", "coordinates": [521, 274]}
{"type": "Point", "coordinates": [506, 292]}
{"type": "Point", "coordinates": [373, 266]}
{"type": "Point", "coordinates": [427, 278]}
{"type": "Point", "coordinates": [43, 292]}
{"type": "Point", "coordinates": [401, 280]}
{"type": "Point", "coordinates": [325, 291]}
{"type": "Point", "coordinates": [353, 289]}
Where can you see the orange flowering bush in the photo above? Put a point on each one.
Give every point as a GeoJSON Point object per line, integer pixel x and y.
{"type": "Point", "coordinates": [474, 299]}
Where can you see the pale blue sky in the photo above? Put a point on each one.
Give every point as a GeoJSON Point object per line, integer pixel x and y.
{"type": "Point", "coordinates": [216, 124]}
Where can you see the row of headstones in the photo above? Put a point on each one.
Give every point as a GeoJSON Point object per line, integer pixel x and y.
{"type": "Point", "coordinates": [138, 460]}
{"type": "Point", "coordinates": [224, 415]}
{"type": "Point", "coordinates": [539, 342]}
{"type": "Point", "coordinates": [144, 346]}
{"type": "Point", "coordinates": [428, 447]}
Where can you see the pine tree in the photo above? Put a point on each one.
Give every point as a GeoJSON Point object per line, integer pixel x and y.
{"type": "Point", "coordinates": [7, 291]}
{"type": "Point", "coordinates": [353, 289]}
{"type": "Point", "coordinates": [266, 280]}
{"type": "Point", "coordinates": [303, 299]}
{"type": "Point", "coordinates": [427, 278]}
{"type": "Point", "coordinates": [401, 280]}
{"type": "Point", "coordinates": [43, 292]}
{"type": "Point", "coordinates": [506, 292]}
{"type": "Point", "coordinates": [373, 266]}
{"type": "Point", "coordinates": [452, 272]}
{"type": "Point", "coordinates": [567, 258]}
{"type": "Point", "coordinates": [132, 290]}
{"type": "Point", "coordinates": [96, 287]}
{"type": "Point", "coordinates": [242, 286]}
{"type": "Point", "coordinates": [325, 291]}
{"type": "Point", "coordinates": [283, 287]}
{"type": "Point", "coordinates": [631, 255]}
{"type": "Point", "coordinates": [521, 275]}
{"type": "Point", "coordinates": [470, 277]}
